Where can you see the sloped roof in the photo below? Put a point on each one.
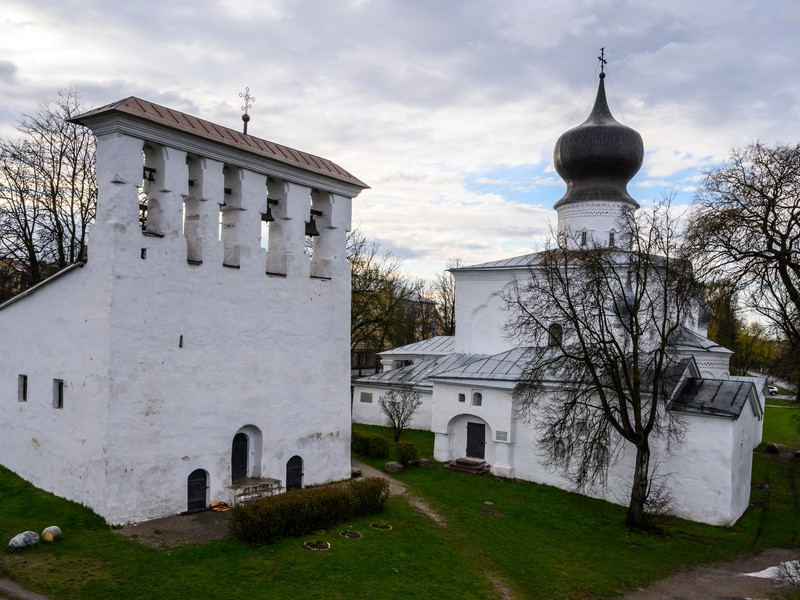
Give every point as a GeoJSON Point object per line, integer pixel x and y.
{"type": "Point", "coordinates": [514, 262]}
{"type": "Point", "coordinates": [693, 341]}
{"type": "Point", "coordinates": [506, 366]}
{"type": "Point", "coordinates": [420, 372]}
{"type": "Point", "coordinates": [174, 119]}
{"type": "Point", "coordinates": [440, 344]}
{"type": "Point", "coordinates": [717, 397]}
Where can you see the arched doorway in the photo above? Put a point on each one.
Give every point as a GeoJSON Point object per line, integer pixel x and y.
{"type": "Point", "coordinates": [197, 490]}
{"type": "Point", "coordinates": [239, 452]}
{"type": "Point", "coordinates": [294, 473]}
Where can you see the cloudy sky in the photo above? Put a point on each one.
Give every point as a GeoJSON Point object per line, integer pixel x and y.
{"type": "Point", "coordinates": [448, 109]}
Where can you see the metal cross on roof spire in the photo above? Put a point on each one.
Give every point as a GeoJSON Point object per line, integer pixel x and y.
{"type": "Point", "coordinates": [248, 101]}
{"type": "Point", "coordinates": [601, 58]}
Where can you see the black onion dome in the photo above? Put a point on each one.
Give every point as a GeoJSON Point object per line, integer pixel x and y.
{"type": "Point", "coordinates": [599, 157]}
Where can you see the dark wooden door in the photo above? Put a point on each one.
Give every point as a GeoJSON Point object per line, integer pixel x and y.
{"type": "Point", "coordinates": [239, 457]}
{"type": "Point", "coordinates": [294, 473]}
{"type": "Point", "coordinates": [197, 485]}
{"type": "Point", "coordinates": [476, 440]}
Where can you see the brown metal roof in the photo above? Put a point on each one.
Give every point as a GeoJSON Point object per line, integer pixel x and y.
{"type": "Point", "coordinates": [224, 135]}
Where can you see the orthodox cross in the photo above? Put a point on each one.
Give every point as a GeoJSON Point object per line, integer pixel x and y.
{"type": "Point", "coordinates": [601, 58]}
{"type": "Point", "coordinates": [248, 101]}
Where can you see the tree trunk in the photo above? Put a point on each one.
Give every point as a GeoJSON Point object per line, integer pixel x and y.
{"type": "Point", "coordinates": [635, 517]}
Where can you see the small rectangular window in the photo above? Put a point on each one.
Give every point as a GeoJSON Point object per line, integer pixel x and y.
{"type": "Point", "coordinates": [58, 393]}
{"type": "Point", "coordinates": [583, 238]}
{"type": "Point", "coordinates": [462, 398]}
{"type": "Point", "coordinates": [366, 397]}
{"type": "Point", "coordinates": [611, 239]}
{"type": "Point", "coordinates": [22, 388]}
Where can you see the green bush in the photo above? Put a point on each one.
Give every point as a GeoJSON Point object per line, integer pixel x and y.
{"type": "Point", "coordinates": [299, 512]}
{"type": "Point", "coordinates": [406, 452]}
{"type": "Point", "coordinates": [369, 495]}
{"type": "Point", "coordinates": [370, 445]}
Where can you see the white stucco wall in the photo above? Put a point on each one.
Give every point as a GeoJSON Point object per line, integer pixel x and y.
{"type": "Point", "coordinates": [480, 313]}
{"type": "Point", "coordinates": [708, 473]}
{"type": "Point", "coordinates": [165, 361]}
{"type": "Point", "coordinates": [57, 332]}
{"type": "Point", "coordinates": [369, 413]}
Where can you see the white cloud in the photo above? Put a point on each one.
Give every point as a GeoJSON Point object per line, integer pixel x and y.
{"type": "Point", "coordinates": [422, 100]}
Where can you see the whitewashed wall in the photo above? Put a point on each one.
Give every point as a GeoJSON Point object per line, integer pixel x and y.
{"type": "Point", "coordinates": [369, 413]}
{"type": "Point", "coordinates": [708, 473]}
{"type": "Point", "coordinates": [165, 361]}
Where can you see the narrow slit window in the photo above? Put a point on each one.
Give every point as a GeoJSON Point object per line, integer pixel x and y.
{"type": "Point", "coordinates": [583, 238]}
{"type": "Point", "coordinates": [22, 388]}
{"type": "Point", "coordinates": [611, 239]}
{"type": "Point", "coordinates": [477, 399]}
{"type": "Point", "coordinates": [58, 393]}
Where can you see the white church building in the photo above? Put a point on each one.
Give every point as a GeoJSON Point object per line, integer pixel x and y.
{"type": "Point", "coordinates": [466, 381]}
{"type": "Point", "coordinates": [201, 353]}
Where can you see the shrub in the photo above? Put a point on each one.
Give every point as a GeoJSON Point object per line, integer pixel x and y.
{"type": "Point", "coordinates": [299, 512]}
{"type": "Point", "coordinates": [370, 445]}
{"type": "Point", "coordinates": [406, 452]}
{"type": "Point", "coordinates": [369, 495]}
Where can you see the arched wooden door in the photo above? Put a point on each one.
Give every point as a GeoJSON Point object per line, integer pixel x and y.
{"type": "Point", "coordinates": [294, 473]}
{"type": "Point", "coordinates": [197, 485]}
{"type": "Point", "coordinates": [239, 452]}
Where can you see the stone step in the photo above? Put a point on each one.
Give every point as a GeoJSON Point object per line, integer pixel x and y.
{"type": "Point", "coordinates": [468, 465]}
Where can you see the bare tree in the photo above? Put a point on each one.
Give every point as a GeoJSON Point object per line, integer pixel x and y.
{"type": "Point", "coordinates": [602, 325]}
{"type": "Point", "coordinates": [398, 407]}
{"type": "Point", "coordinates": [48, 191]}
{"type": "Point", "coordinates": [747, 229]}
{"type": "Point", "coordinates": [387, 306]}
{"type": "Point", "coordinates": [443, 291]}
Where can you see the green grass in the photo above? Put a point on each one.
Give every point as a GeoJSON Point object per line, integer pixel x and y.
{"type": "Point", "coordinates": [540, 541]}
{"type": "Point", "coordinates": [779, 427]}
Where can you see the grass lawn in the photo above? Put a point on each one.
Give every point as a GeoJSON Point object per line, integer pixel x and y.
{"type": "Point", "coordinates": [540, 541]}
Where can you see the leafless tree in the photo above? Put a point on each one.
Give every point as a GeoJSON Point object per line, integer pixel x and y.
{"type": "Point", "coordinates": [47, 189]}
{"type": "Point", "coordinates": [443, 291]}
{"type": "Point", "coordinates": [602, 325]}
{"type": "Point", "coordinates": [747, 229]}
{"type": "Point", "coordinates": [387, 306]}
{"type": "Point", "coordinates": [398, 407]}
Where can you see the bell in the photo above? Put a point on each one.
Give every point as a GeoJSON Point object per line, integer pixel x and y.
{"type": "Point", "coordinates": [268, 218]}
{"type": "Point", "coordinates": [311, 228]}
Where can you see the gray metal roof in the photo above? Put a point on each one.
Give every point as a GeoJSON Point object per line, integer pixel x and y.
{"type": "Point", "coordinates": [717, 397]}
{"type": "Point", "coordinates": [506, 366]}
{"type": "Point", "coordinates": [690, 340]}
{"type": "Point", "coordinates": [419, 373]}
{"type": "Point", "coordinates": [440, 344]}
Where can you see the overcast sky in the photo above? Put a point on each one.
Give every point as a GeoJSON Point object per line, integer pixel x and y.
{"type": "Point", "coordinates": [448, 109]}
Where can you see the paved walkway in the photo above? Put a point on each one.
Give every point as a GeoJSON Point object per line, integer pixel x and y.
{"type": "Point", "coordinates": [395, 487]}
{"type": "Point", "coordinates": [11, 590]}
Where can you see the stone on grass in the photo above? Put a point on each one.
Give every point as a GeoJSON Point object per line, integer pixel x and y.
{"type": "Point", "coordinates": [393, 467]}
{"type": "Point", "coordinates": [52, 534]}
{"type": "Point", "coordinates": [773, 449]}
{"type": "Point", "coordinates": [23, 540]}
{"type": "Point", "coordinates": [425, 463]}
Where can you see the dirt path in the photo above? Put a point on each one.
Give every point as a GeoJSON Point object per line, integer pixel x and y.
{"type": "Point", "coordinates": [723, 581]}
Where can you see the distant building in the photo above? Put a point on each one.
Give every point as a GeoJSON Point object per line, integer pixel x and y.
{"type": "Point", "coordinates": [466, 381]}
{"type": "Point", "coordinates": [185, 363]}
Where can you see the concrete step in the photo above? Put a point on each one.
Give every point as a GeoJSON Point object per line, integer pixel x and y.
{"type": "Point", "coordinates": [473, 466]}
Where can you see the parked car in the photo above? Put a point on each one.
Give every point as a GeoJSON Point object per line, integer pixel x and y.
{"type": "Point", "coordinates": [772, 390]}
